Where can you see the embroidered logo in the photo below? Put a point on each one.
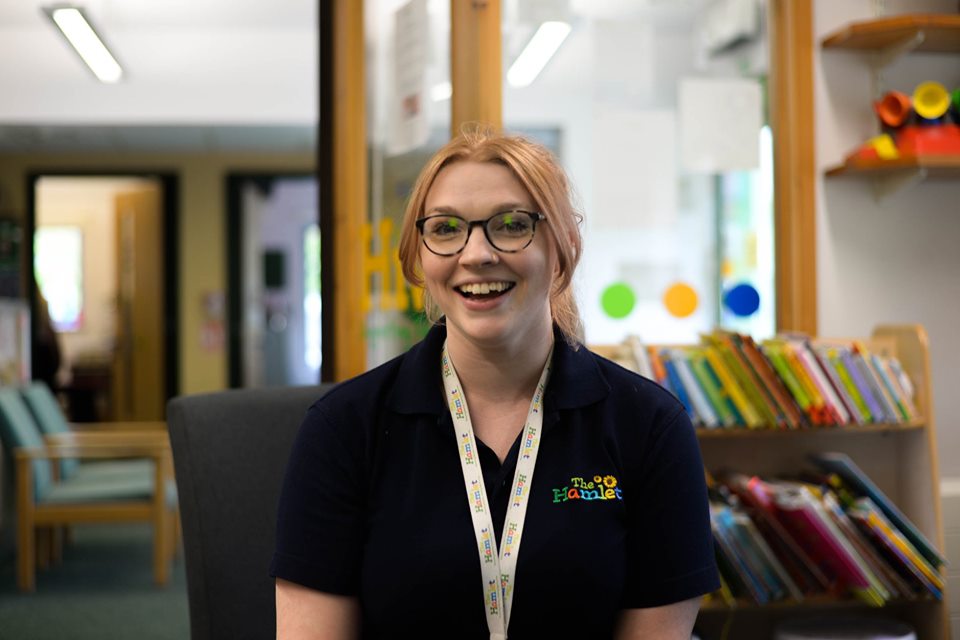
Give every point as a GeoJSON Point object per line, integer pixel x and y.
{"type": "Point", "coordinates": [600, 488]}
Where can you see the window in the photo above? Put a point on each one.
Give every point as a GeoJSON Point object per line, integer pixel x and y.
{"type": "Point", "coordinates": [58, 264]}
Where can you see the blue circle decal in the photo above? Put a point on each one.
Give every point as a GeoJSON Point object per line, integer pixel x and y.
{"type": "Point", "coordinates": [743, 300]}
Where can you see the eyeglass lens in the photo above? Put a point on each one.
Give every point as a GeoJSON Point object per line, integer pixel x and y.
{"type": "Point", "coordinates": [507, 231]}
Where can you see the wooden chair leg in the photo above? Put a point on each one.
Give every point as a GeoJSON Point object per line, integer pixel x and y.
{"type": "Point", "coordinates": [26, 547]}
{"type": "Point", "coordinates": [43, 548]}
{"type": "Point", "coordinates": [56, 548]}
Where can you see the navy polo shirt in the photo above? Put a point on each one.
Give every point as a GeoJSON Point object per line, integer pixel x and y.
{"type": "Point", "coordinates": [374, 505]}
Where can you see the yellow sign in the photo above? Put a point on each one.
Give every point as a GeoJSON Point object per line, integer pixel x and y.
{"type": "Point", "coordinates": [384, 285]}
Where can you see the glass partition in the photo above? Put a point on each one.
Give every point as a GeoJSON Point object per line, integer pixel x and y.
{"type": "Point", "coordinates": [408, 119]}
{"type": "Point", "coordinates": [657, 111]}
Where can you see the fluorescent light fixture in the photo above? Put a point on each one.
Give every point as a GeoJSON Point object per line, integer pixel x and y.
{"type": "Point", "coordinates": [78, 31]}
{"type": "Point", "coordinates": [537, 53]}
{"type": "Point", "coordinates": [441, 92]}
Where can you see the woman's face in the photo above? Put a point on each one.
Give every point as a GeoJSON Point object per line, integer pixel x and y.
{"type": "Point", "coordinates": [516, 309]}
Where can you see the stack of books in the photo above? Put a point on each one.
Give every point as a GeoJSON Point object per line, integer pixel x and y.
{"type": "Point", "coordinates": [787, 382]}
{"type": "Point", "coordinates": [831, 532]}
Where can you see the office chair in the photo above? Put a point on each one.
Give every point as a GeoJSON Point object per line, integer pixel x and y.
{"type": "Point", "coordinates": [230, 453]}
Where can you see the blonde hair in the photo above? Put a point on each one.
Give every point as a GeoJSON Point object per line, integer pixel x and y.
{"type": "Point", "coordinates": [546, 182]}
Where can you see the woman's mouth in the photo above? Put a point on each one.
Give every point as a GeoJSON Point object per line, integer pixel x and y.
{"type": "Point", "coordinates": [484, 290]}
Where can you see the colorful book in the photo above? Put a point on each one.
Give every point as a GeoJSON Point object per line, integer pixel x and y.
{"type": "Point", "coordinates": [863, 388]}
{"type": "Point", "coordinates": [698, 398]}
{"type": "Point", "coordinates": [726, 345]}
{"type": "Point", "coordinates": [747, 411]}
{"type": "Point", "coordinates": [722, 405]}
{"type": "Point", "coordinates": [800, 512]}
{"type": "Point", "coordinates": [772, 382]}
{"type": "Point", "coordinates": [871, 518]}
{"type": "Point", "coordinates": [821, 354]}
{"type": "Point", "coordinates": [844, 466]}
{"type": "Point", "coordinates": [837, 411]}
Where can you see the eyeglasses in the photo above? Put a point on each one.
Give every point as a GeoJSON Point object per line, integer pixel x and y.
{"type": "Point", "coordinates": [508, 231]}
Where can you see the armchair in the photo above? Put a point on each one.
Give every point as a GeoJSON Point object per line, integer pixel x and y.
{"type": "Point", "coordinates": [42, 501]}
{"type": "Point", "coordinates": [230, 453]}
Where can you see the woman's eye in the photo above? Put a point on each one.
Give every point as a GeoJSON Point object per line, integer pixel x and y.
{"type": "Point", "coordinates": [445, 228]}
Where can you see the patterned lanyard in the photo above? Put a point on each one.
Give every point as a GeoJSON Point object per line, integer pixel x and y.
{"type": "Point", "coordinates": [498, 572]}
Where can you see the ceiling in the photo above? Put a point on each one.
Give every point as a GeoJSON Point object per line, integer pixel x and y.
{"type": "Point", "coordinates": [200, 74]}
{"type": "Point", "coordinates": [230, 75]}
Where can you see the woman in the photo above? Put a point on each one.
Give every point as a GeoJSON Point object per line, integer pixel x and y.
{"type": "Point", "coordinates": [411, 489]}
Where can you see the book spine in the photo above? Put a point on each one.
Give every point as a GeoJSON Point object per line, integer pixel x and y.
{"type": "Point", "coordinates": [698, 398]}
{"type": "Point", "coordinates": [736, 394]}
{"type": "Point", "coordinates": [839, 388]}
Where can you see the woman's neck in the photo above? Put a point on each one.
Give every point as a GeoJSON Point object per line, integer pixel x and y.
{"type": "Point", "coordinates": [505, 374]}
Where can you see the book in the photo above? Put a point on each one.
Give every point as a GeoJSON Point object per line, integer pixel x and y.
{"type": "Point", "coordinates": [698, 398]}
{"type": "Point", "coordinates": [839, 388]}
{"type": "Point", "coordinates": [844, 466]}
{"type": "Point", "coordinates": [722, 405]}
{"type": "Point", "coordinates": [736, 394]}
{"type": "Point", "coordinates": [863, 388]}
{"type": "Point", "coordinates": [837, 410]}
{"type": "Point", "coordinates": [833, 356]}
{"type": "Point", "coordinates": [792, 414]}
{"type": "Point", "coordinates": [866, 512]}
{"type": "Point", "coordinates": [892, 385]}
{"type": "Point", "coordinates": [887, 410]}
{"type": "Point", "coordinates": [800, 512]}
{"type": "Point", "coordinates": [734, 558]}
{"type": "Point", "coordinates": [774, 353]}
{"type": "Point", "coordinates": [726, 344]}
{"type": "Point", "coordinates": [676, 385]}
{"type": "Point", "coordinates": [640, 356]}
{"type": "Point", "coordinates": [756, 497]}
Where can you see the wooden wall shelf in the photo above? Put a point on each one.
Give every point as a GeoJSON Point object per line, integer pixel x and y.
{"type": "Point", "coordinates": [938, 33]}
{"type": "Point", "coordinates": [933, 166]}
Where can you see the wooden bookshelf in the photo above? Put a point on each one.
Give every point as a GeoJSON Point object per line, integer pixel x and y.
{"type": "Point", "coordinates": [934, 33]}
{"type": "Point", "coordinates": [901, 459]}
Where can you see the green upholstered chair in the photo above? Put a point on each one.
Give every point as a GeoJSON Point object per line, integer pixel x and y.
{"type": "Point", "coordinates": [55, 430]}
{"type": "Point", "coordinates": [42, 501]}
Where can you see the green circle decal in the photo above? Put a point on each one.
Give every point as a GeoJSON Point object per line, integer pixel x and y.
{"type": "Point", "coordinates": [617, 300]}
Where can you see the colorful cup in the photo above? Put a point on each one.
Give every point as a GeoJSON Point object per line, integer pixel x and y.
{"type": "Point", "coordinates": [931, 100]}
{"type": "Point", "coordinates": [893, 109]}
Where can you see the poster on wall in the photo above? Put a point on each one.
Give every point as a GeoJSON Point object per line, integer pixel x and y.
{"type": "Point", "coordinates": [409, 104]}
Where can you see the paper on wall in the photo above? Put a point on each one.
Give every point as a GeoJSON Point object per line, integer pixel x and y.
{"type": "Point", "coordinates": [720, 122]}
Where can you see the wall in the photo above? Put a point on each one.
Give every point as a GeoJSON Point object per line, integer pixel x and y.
{"type": "Point", "coordinates": [892, 260]}
{"type": "Point", "coordinates": [201, 236]}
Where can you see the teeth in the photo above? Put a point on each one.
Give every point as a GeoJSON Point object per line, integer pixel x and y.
{"type": "Point", "coordinates": [483, 288]}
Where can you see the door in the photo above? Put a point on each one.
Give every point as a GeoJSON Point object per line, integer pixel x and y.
{"type": "Point", "coordinates": [139, 372]}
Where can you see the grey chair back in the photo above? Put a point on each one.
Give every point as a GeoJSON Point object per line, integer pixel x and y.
{"type": "Point", "coordinates": [230, 452]}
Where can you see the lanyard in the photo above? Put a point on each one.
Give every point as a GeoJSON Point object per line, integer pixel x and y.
{"type": "Point", "coordinates": [498, 572]}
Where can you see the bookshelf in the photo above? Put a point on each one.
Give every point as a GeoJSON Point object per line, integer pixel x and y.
{"type": "Point", "coordinates": [887, 39]}
{"type": "Point", "coordinates": [900, 458]}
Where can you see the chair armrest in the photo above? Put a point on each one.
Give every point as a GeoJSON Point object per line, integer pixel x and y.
{"type": "Point", "coordinates": [157, 450]}
{"type": "Point", "coordinates": [133, 425]}
{"type": "Point", "coordinates": [108, 438]}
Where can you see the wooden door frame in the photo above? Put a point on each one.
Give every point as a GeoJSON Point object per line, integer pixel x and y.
{"type": "Point", "coordinates": [233, 184]}
{"type": "Point", "coordinates": [170, 211]}
{"type": "Point", "coordinates": [794, 176]}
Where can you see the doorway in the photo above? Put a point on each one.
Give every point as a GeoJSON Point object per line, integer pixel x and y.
{"type": "Point", "coordinates": [274, 280]}
{"type": "Point", "coordinates": [104, 256]}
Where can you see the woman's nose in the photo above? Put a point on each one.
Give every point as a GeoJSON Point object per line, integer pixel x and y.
{"type": "Point", "coordinates": [478, 250]}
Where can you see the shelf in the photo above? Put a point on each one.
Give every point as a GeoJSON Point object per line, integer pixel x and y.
{"type": "Point", "coordinates": [890, 176]}
{"type": "Point", "coordinates": [816, 601]}
{"type": "Point", "coordinates": [743, 432]}
{"type": "Point", "coordinates": [934, 166]}
{"type": "Point", "coordinates": [932, 33]}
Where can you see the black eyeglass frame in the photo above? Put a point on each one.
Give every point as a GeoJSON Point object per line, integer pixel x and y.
{"type": "Point", "coordinates": [535, 216]}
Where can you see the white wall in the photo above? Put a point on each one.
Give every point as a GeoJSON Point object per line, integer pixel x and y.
{"type": "Point", "coordinates": [896, 259]}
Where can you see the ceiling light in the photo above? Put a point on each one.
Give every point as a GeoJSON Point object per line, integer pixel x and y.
{"type": "Point", "coordinates": [78, 31]}
{"type": "Point", "coordinates": [537, 53]}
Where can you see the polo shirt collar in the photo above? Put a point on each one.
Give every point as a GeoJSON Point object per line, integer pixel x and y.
{"type": "Point", "coordinates": [576, 381]}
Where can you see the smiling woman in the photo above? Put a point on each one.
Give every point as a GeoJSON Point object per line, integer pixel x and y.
{"type": "Point", "coordinates": [434, 452]}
